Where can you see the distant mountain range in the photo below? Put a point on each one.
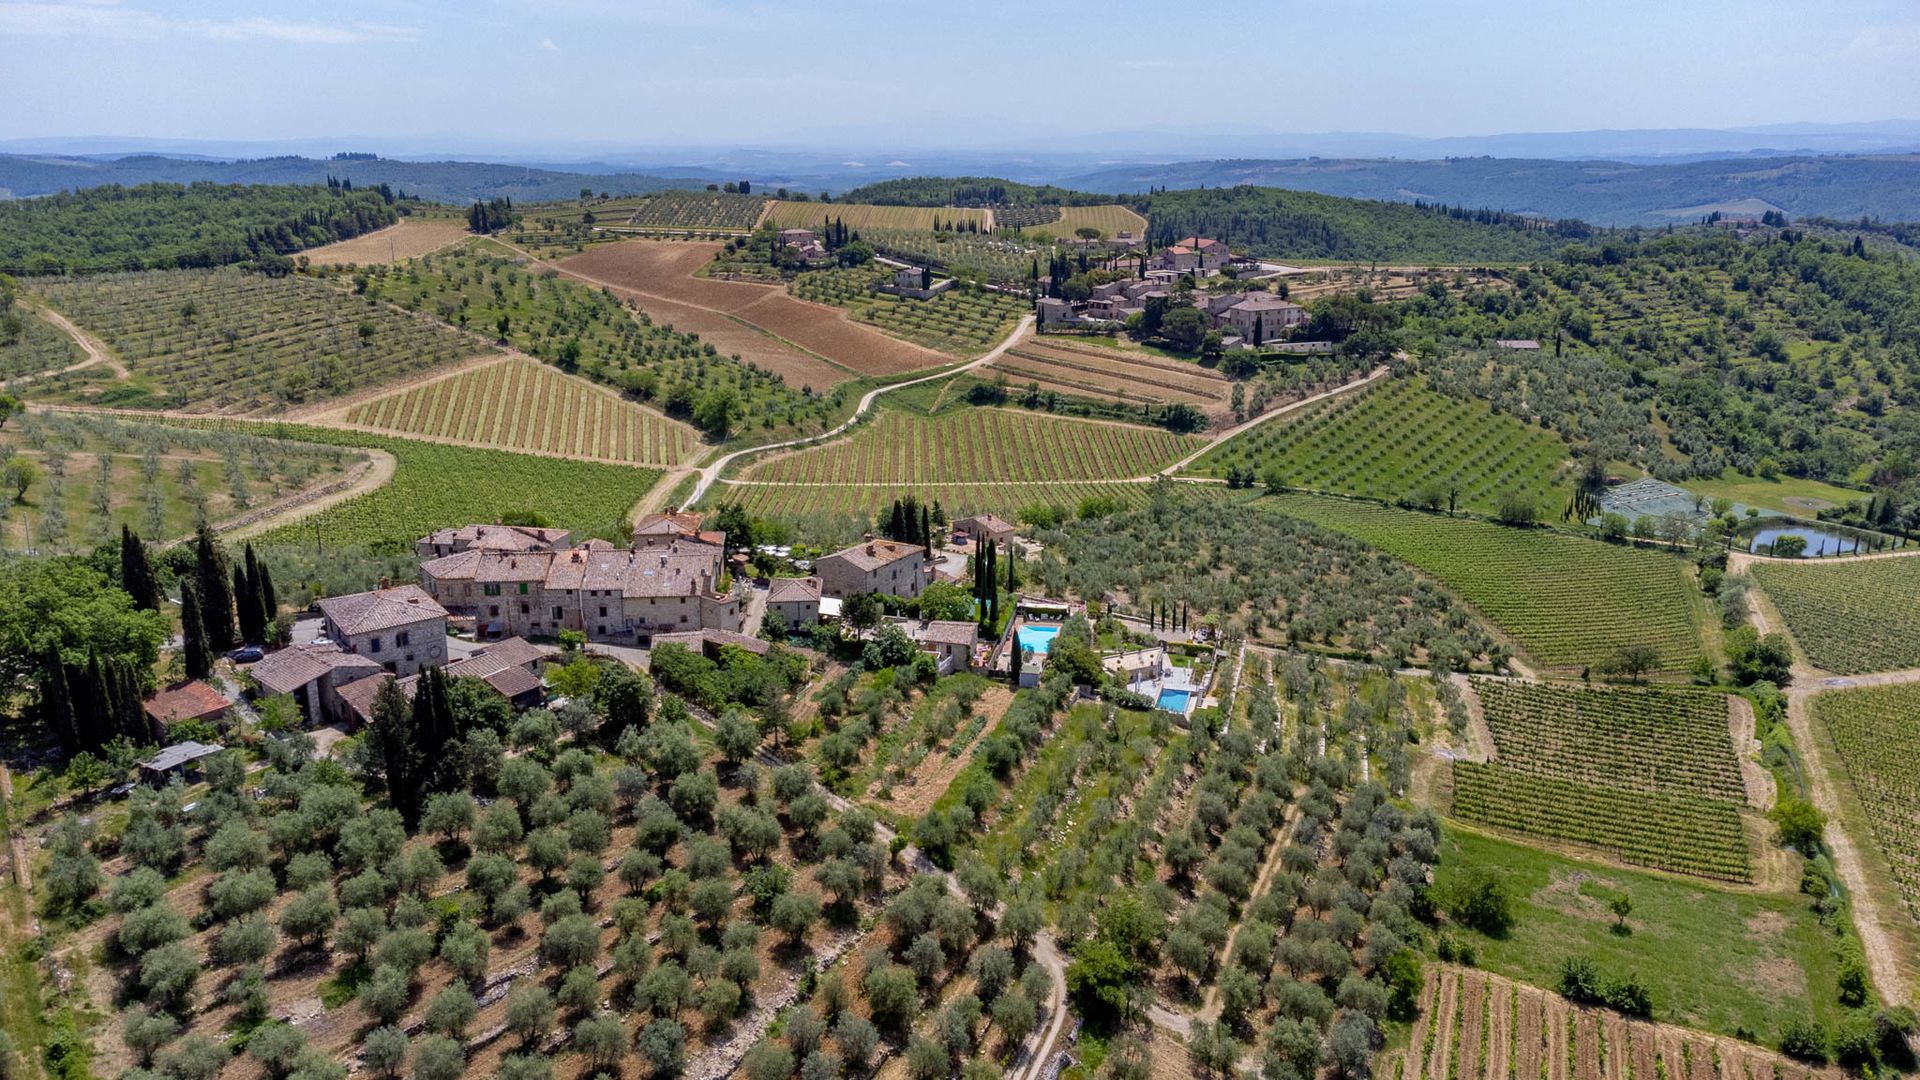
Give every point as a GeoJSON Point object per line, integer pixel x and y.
{"type": "Point", "coordinates": [440, 181]}
{"type": "Point", "coordinates": [1602, 192]}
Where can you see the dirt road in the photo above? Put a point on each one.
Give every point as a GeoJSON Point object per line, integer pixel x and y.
{"type": "Point", "coordinates": [97, 352]}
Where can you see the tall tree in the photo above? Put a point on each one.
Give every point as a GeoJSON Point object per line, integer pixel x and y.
{"type": "Point", "coordinates": [216, 593]}
{"type": "Point", "coordinates": [393, 733]}
{"type": "Point", "coordinates": [136, 572]}
{"type": "Point", "coordinates": [246, 605]}
{"type": "Point", "coordinates": [434, 729]}
{"type": "Point", "coordinates": [193, 633]}
{"type": "Point", "coordinates": [56, 702]}
{"type": "Point", "coordinates": [269, 602]}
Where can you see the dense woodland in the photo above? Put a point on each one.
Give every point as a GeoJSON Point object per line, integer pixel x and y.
{"type": "Point", "coordinates": [968, 191]}
{"type": "Point", "coordinates": [170, 226]}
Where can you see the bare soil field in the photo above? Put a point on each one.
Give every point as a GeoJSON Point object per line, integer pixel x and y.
{"type": "Point", "coordinates": [653, 270]}
{"type": "Point", "coordinates": [1473, 1023]}
{"type": "Point", "coordinates": [409, 239]}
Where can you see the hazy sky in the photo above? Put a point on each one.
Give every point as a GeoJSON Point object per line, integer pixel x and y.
{"type": "Point", "coordinates": [721, 71]}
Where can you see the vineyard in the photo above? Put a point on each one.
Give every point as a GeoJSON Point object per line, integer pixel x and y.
{"type": "Point", "coordinates": [1849, 617]}
{"type": "Point", "coordinates": [1568, 601]}
{"type": "Point", "coordinates": [521, 405]}
{"type": "Point", "coordinates": [977, 446]}
{"type": "Point", "coordinates": [1024, 217]}
{"type": "Point", "coordinates": [1664, 739]}
{"type": "Point", "coordinates": [698, 211]}
{"type": "Point", "coordinates": [1664, 830]}
{"type": "Point", "coordinates": [1128, 377]}
{"type": "Point", "coordinates": [556, 230]}
{"type": "Point", "coordinates": [549, 316]}
{"type": "Point", "coordinates": [841, 509]}
{"type": "Point", "coordinates": [435, 485]}
{"type": "Point", "coordinates": [1877, 731]}
{"type": "Point", "coordinates": [95, 473]}
{"type": "Point", "coordinates": [32, 345]}
{"type": "Point", "coordinates": [1402, 441]}
{"type": "Point", "coordinates": [862, 218]}
{"type": "Point", "coordinates": [983, 256]}
{"type": "Point", "coordinates": [962, 320]}
{"type": "Point", "coordinates": [1477, 1026]}
{"type": "Point", "coordinates": [230, 341]}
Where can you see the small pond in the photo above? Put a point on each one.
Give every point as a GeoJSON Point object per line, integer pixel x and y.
{"type": "Point", "coordinates": [1819, 541]}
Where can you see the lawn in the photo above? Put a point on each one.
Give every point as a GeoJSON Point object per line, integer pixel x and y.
{"type": "Point", "coordinates": [1849, 617]}
{"type": "Point", "coordinates": [1786, 495]}
{"type": "Point", "coordinates": [1400, 440]}
{"type": "Point", "coordinates": [1568, 601]}
{"type": "Point", "coordinates": [1719, 959]}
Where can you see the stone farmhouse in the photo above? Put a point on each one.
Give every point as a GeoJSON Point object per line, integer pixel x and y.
{"type": "Point", "coordinates": [511, 668]}
{"type": "Point", "coordinates": [797, 600]}
{"type": "Point", "coordinates": [403, 629]}
{"type": "Point", "coordinates": [875, 566]}
{"type": "Point", "coordinates": [985, 529]}
{"type": "Point", "coordinates": [668, 581]}
{"type": "Point", "coordinates": [313, 675]}
{"type": "Point", "coordinates": [1255, 317]}
{"type": "Point", "coordinates": [915, 283]}
{"type": "Point", "coordinates": [1195, 255]}
{"type": "Point", "coordinates": [806, 245]}
{"type": "Point", "coordinates": [489, 538]}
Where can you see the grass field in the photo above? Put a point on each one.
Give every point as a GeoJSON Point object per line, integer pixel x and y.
{"type": "Point", "coordinates": [1110, 219]}
{"type": "Point", "coordinates": [1877, 731]}
{"type": "Point", "coordinates": [234, 342]}
{"type": "Point", "coordinates": [977, 446]}
{"type": "Point", "coordinates": [1400, 439]}
{"type": "Point", "coordinates": [436, 485]}
{"type": "Point", "coordinates": [34, 346]}
{"type": "Point", "coordinates": [1569, 602]}
{"type": "Point", "coordinates": [547, 314]}
{"type": "Point", "coordinates": [1717, 959]}
{"type": "Point", "coordinates": [411, 238]}
{"type": "Point", "coordinates": [697, 211]}
{"type": "Point", "coordinates": [522, 405]}
{"type": "Point", "coordinates": [1849, 617]}
{"type": "Point", "coordinates": [99, 472]}
{"type": "Point", "coordinates": [862, 217]}
{"type": "Point", "coordinates": [1787, 495]}
{"type": "Point", "coordinates": [961, 321]}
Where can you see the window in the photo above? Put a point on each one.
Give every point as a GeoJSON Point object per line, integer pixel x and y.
{"type": "Point", "coordinates": [524, 610]}
{"type": "Point", "coordinates": [402, 639]}
{"type": "Point", "coordinates": [493, 609]}
{"type": "Point", "coordinates": [683, 617]}
{"type": "Point", "coordinates": [373, 645]}
{"type": "Point", "coordinates": [601, 630]}
{"type": "Point", "coordinates": [491, 589]}
{"type": "Point", "coordinates": [556, 614]}
{"type": "Point", "coordinates": [603, 611]}
{"type": "Point", "coordinates": [523, 588]}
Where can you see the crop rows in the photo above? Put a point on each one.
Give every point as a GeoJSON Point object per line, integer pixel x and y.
{"type": "Point", "coordinates": [1114, 375]}
{"type": "Point", "coordinates": [1110, 219]}
{"type": "Point", "coordinates": [436, 484]}
{"type": "Point", "coordinates": [520, 405]}
{"type": "Point", "coordinates": [32, 346]}
{"type": "Point", "coordinates": [1671, 739]}
{"type": "Point", "coordinates": [986, 256]}
{"type": "Point", "coordinates": [978, 446]}
{"type": "Point", "coordinates": [956, 499]}
{"type": "Point", "coordinates": [233, 341]}
{"type": "Point", "coordinates": [862, 217]}
{"type": "Point", "coordinates": [699, 211]}
{"type": "Point", "coordinates": [1665, 830]}
{"type": "Point", "coordinates": [1024, 217]}
{"type": "Point", "coordinates": [1877, 730]}
{"type": "Point", "coordinates": [1400, 439]}
{"type": "Point", "coordinates": [1567, 600]}
{"type": "Point", "coordinates": [960, 320]}
{"type": "Point", "coordinates": [1850, 617]}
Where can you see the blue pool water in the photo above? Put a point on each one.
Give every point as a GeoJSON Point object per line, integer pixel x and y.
{"type": "Point", "coordinates": [1175, 701]}
{"type": "Point", "coordinates": [1038, 638]}
{"type": "Point", "coordinates": [1819, 541]}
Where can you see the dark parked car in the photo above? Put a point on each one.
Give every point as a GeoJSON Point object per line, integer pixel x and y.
{"type": "Point", "coordinates": [247, 654]}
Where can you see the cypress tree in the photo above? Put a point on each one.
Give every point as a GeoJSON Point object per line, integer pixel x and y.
{"type": "Point", "coordinates": [393, 732]}
{"type": "Point", "coordinates": [1013, 561]}
{"type": "Point", "coordinates": [269, 603]}
{"type": "Point", "coordinates": [193, 631]}
{"type": "Point", "coordinates": [246, 605]}
{"type": "Point", "coordinates": [56, 701]}
{"type": "Point", "coordinates": [133, 721]}
{"type": "Point", "coordinates": [216, 594]}
{"type": "Point", "coordinates": [136, 572]}
{"type": "Point", "coordinates": [93, 704]}
{"type": "Point", "coordinates": [926, 530]}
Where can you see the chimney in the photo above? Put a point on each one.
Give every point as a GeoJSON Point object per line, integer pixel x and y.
{"type": "Point", "coordinates": [869, 546]}
{"type": "Point", "coordinates": [868, 538]}
{"type": "Point", "coordinates": [385, 583]}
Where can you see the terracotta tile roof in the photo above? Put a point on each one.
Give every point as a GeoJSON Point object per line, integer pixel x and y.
{"type": "Point", "coordinates": [1264, 301]}
{"type": "Point", "coordinates": [871, 555]}
{"type": "Point", "coordinates": [943, 632]}
{"type": "Point", "coordinates": [696, 640]}
{"type": "Point", "coordinates": [989, 522]}
{"type": "Point", "coordinates": [515, 651]}
{"type": "Point", "coordinates": [511, 682]}
{"type": "Point", "coordinates": [291, 668]}
{"type": "Point", "coordinates": [793, 590]}
{"type": "Point", "coordinates": [359, 695]}
{"type": "Point", "coordinates": [498, 537]}
{"type": "Point", "coordinates": [381, 609]}
{"type": "Point", "coordinates": [186, 701]}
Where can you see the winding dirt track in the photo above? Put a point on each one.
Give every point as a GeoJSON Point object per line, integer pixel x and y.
{"type": "Point", "coordinates": [97, 352]}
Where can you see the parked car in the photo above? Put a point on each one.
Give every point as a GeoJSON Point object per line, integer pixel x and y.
{"type": "Point", "coordinates": [247, 654]}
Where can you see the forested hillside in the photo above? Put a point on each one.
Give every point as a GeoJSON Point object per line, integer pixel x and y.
{"type": "Point", "coordinates": [1302, 225]}
{"type": "Point", "coordinates": [1780, 352]}
{"type": "Point", "coordinates": [1603, 192]}
{"type": "Point", "coordinates": [967, 191]}
{"type": "Point", "coordinates": [437, 181]}
{"type": "Point", "coordinates": [168, 226]}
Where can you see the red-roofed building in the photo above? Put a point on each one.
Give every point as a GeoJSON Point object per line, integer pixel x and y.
{"type": "Point", "coordinates": [190, 700]}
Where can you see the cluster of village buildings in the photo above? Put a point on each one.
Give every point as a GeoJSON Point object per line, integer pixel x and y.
{"type": "Point", "coordinates": [1248, 319]}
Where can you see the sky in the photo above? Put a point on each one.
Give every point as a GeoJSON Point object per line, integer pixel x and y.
{"type": "Point", "coordinates": [723, 72]}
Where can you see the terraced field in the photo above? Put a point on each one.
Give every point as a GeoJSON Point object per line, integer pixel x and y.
{"type": "Point", "coordinates": [1568, 602]}
{"type": "Point", "coordinates": [960, 321]}
{"type": "Point", "coordinates": [956, 499]}
{"type": "Point", "coordinates": [1849, 617]}
{"type": "Point", "coordinates": [1572, 763]}
{"type": "Point", "coordinates": [1877, 730]}
{"type": "Point", "coordinates": [862, 216]}
{"type": "Point", "coordinates": [524, 405]}
{"type": "Point", "coordinates": [977, 446]}
{"type": "Point", "coordinates": [1400, 440]}
{"type": "Point", "coordinates": [1132, 378]}
{"type": "Point", "coordinates": [698, 211]}
{"type": "Point", "coordinates": [234, 342]}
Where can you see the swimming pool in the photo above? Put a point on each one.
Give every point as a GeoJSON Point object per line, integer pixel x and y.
{"type": "Point", "coordinates": [1038, 639]}
{"type": "Point", "coordinates": [1175, 701]}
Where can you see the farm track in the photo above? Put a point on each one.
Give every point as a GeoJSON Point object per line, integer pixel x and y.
{"type": "Point", "coordinates": [97, 352]}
